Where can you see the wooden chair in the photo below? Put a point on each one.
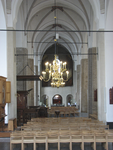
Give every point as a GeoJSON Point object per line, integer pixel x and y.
{"type": "Point", "coordinates": [28, 137]}
{"type": "Point", "coordinates": [88, 137]}
{"type": "Point", "coordinates": [101, 137]}
{"type": "Point", "coordinates": [15, 138]}
{"type": "Point", "coordinates": [64, 128]}
{"type": "Point", "coordinates": [109, 136]}
{"type": "Point", "coordinates": [41, 137]}
{"type": "Point", "coordinates": [65, 137]}
{"type": "Point", "coordinates": [53, 137]}
{"type": "Point", "coordinates": [61, 113]}
{"type": "Point", "coordinates": [54, 129]}
{"type": "Point", "coordinates": [76, 137]}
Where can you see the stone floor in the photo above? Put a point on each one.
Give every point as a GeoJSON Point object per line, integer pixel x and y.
{"type": "Point", "coordinates": [5, 145]}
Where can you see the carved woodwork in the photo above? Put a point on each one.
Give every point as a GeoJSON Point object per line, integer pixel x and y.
{"type": "Point", "coordinates": [2, 90]}
{"type": "Point", "coordinates": [28, 78]}
{"type": "Point", "coordinates": [2, 100]}
{"type": "Point", "coordinates": [21, 99]}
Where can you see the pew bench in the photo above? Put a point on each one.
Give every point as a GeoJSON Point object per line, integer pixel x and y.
{"type": "Point", "coordinates": [61, 136]}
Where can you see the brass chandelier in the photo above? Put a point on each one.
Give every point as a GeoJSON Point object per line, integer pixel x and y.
{"type": "Point", "coordinates": [56, 73]}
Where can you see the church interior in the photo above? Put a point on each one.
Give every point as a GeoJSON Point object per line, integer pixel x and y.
{"type": "Point", "coordinates": [56, 85]}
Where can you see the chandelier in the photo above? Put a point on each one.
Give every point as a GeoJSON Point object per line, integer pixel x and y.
{"type": "Point", "coordinates": [57, 72]}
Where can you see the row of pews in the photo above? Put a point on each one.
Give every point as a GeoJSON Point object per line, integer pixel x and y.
{"type": "Point", "coordinates": [62, 130]}
{"type": "Point", "coordinates": [63, 111]}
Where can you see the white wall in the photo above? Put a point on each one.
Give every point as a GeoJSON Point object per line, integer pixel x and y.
{"type": "Point", "coordinates": [3, 44]}
{"type": "Point", "coordinates": [109, 60]}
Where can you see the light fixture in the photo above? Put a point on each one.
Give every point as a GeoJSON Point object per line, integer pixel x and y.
{"type": "Point", "coordinates": [57, 72]}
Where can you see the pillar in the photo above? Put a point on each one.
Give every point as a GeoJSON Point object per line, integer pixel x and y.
{"type": "Point", "coordinates": [11, 73]}
{"type": "Point", "coordinates": [78, 87]}
{"type": "Point", "coordinates": [92, 80]}
{"type": "Point", "coordinates": [84, 84]}
{"type": "Point", "coordinates": [30, 84]}
{"type": "Point", "coordinates": [35, 87]}
{"type": "Point", "coordinates": [39, 86]}
{"type": "Point", "coordinates": [101, 77]}
{"type": "Point", "coordinates": [21, 66]}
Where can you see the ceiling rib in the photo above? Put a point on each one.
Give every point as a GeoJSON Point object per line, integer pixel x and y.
{"type": "Point", "coordinates": [13, 30]}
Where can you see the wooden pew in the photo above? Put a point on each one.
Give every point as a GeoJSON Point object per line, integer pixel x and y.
{"type": "Point", "coordinates": [62, 136]}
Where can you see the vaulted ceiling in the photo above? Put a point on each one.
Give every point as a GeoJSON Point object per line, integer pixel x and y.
{"type": "Point", "coordinates": [72, 17]}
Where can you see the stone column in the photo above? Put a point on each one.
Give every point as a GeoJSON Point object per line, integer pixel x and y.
{"type": "Point", "coordinates": [92, 80]}
{"type": "Point", "coordinates": [39, 86]}
{"type": "Point", "coordinates": [84, 84]}
{"type": "Point", "coordinates": [101, 76]}
{"type": "Point", "coordinates": [50, 101]}
{"type": "Point", "coordinates": [35, 87]}
{"type": "Point", "coordinates": [30, 84]}
{"type": "Point", "coordinates": [78, 86]}
{"type": "Point", "coordinates": [11, 72]}
{"type": "Point", "coordinates": [21, 66]}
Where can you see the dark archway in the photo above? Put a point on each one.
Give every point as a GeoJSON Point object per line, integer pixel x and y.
{"type": "Point", "coordinates": [57, 99]}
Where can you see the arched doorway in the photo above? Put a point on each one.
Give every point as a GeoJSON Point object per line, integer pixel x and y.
{"type": "Point", "coordinates": [69, 99]}
{"type": "Point", "coordinates": [57, 99]}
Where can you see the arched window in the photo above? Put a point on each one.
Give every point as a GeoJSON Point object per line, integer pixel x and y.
{"type": "Point", "coordinates": [57, 99]}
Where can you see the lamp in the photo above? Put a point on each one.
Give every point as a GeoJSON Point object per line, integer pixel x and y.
{"type": "Point", "coordinates": [57, 71]}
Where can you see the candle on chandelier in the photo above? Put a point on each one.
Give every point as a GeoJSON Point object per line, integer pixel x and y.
{"type": "Point", "coordinates": [67, 72]}
{"type": "Point", "coordinates": [50, 66]}
{"type": "Point", "coordinates": [52, 74]}
{"type": "Point", "coordinates": [43, 73]}
{"type": "Point", "coordinates": [49, 74]}
{"type": "Point", "coordinates": [61, 64]}
{"type": "Point", "coordinates": [46, 65]}
{"type": "Point", "coordinates": [61, 74]}
{"type": "Point", "coordinates": [65, 65]}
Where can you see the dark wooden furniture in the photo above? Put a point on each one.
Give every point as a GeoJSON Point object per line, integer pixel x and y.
{"type": "Point", "coordinates": [21, 105]}
{"type": "Point", "coordinates": [24, 115]}
{"type": "Point", "coordinates": [8, 92]}
{"type": "Point", "coordinates": [21, 99]}
{"type": "Point", "coordinates": [111, 95]}
{"type": "Point", "coordinates": [57, 112]}
{"type": "Point", "coordinates": [42, 112]}
{"type": "Point", "coordinates": [2, 100]}
{"type": "Point", "coordinates": [95, 95]}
